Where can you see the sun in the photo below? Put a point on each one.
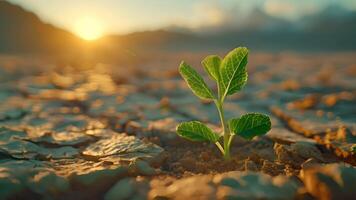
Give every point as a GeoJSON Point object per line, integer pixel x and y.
{"type": "Point", "coordinates": [88, 28]}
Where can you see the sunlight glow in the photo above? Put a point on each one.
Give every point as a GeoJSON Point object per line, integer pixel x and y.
{"type": "Point", "coordinates": [88, 28]}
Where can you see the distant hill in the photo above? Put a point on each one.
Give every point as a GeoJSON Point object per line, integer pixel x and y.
{"type": "Point", "coordinates": [23, 32]}
{"type": "Point", "coordinates": [330, 30]}
{"type": "Point", "coordinates": [162, 40]}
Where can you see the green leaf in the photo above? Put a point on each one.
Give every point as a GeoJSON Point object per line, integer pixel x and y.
{"type": "Point", "coordinates": [233, 71]}
{"type": "Point", "coordinates": [212, 66]}
{"type": "Point", "coordinates": [196, 131]}
{"type": "Point", "coordinates": [250, 125]}
{"type": "Point", "coordinates": [195, 82]}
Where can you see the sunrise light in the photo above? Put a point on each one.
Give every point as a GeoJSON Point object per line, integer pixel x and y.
{"type": "Point", "coordinates": [88, 28]}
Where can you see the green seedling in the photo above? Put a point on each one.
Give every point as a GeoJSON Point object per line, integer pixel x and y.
{"type": "Point", "coordinates": [230, 75]}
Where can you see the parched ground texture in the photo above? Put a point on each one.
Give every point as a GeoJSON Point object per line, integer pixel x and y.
{"type": "Point", "coordinates": [108, 132]}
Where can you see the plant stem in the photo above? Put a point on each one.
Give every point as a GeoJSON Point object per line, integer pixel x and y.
{"type": "Point", "coordinates": [230, 139]}
{"type": "Point", "coordinates": [220, 147]}
{"type": "Point", "coordinates": [225, 131]}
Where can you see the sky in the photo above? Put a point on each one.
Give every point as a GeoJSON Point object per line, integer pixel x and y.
{"type": "Point", "coordinates": [91, 19]}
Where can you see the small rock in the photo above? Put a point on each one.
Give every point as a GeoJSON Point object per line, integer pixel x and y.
{"type": "Point", "coordinates": [19, 175]}
{"type": "Point", "coordinates": [283, 135]}
{"type": "Point", "coordinates": [195, 187]}
{"type": "Point", "coordinates": [250, 165]}
{"type": "Point", "coordinates": [311, 162]}
{"type": "Point", "coordinates": [97, 176]}
{"type": "Point", "coordinates": [285, 155]}
{"type": "Point", "coordinates": [123, 189]}
{"type": "Point", "coordinates": [15, 113]}
{"type": "Point", "coordinates": [306, 150]}
{"type": "Point", "coordinates": [333, 181]}
{"type": "Point", "coordinates": [271, 168]}
{"type": "Point", "coordinates": [290, 171]}
{"type": "Point", "coordinates": [133, 128]}
{"type": "Point", "coordinates": [266, 153]}
{"type": "Point", "coordinates": [342, 142]}
{"type": "Point", "coordinates": [308, 102]}
{"type": "Point", "coordinates": [121, 147]}
{"type": "Point", "coordinates": [163, 126]}
{"type": "Point", "coordinates": [297, 153]}
{"type": "Point", "coordinates": [143, 168]}
{"type": "Point", "coordinates": [251, 185]}
{"type": "Point", "coordinates": [17, 144]}
{"type": "Point", "coordinates": [48, 184]}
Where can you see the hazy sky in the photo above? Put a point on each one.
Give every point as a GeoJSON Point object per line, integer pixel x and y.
{"type": "Point", "coordinates": [123, 16]}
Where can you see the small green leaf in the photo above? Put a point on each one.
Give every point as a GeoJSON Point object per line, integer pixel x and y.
{"type": "Point", "coordinates": [353, 148]}
{"type": "Point", "coordinates": [233, 71]}
{"type": "Point", "coordinates": [196, 131]}
{"type": "Point", "coordinates": [212, 66]}
{"type": "Point", "coordinates": [195, 82]}
{"type": "Point", "coordinates": [250, 125]}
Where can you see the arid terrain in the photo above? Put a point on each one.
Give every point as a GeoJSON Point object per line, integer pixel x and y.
{"type": "Point", "coordinates": [108, 131]}
{"type": "Point", "coordinates": [90, 97]}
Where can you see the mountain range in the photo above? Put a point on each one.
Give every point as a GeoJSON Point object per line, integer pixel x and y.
{"type": "Point", "coordinates": [333, 29]}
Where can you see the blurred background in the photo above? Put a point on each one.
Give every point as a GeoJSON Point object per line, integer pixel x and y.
{"type": "Point", "coordinates": [133, 32]}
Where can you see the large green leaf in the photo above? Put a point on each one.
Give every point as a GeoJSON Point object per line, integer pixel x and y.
{"type": "Point", "coordinates": [195, 81]}
{"type": "Point", "coordinates": [212, 66]}
{"type": "Point", "coordinates": [196, 131]}
{"type": "Point", "coordinates": [250, 125]}
{"type": "Point", "coordinates": [233, 71]}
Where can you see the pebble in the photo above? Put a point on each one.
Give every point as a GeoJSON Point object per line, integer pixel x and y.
{"type": "Point", "coordinates": [332, 181]}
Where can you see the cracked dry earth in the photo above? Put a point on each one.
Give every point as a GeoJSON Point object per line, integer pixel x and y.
{"type": "Point", "coordinates": [108, 132]}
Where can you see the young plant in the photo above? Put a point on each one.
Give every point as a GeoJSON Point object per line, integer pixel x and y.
{"type": "Point", "coordinates": [231, 76]}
